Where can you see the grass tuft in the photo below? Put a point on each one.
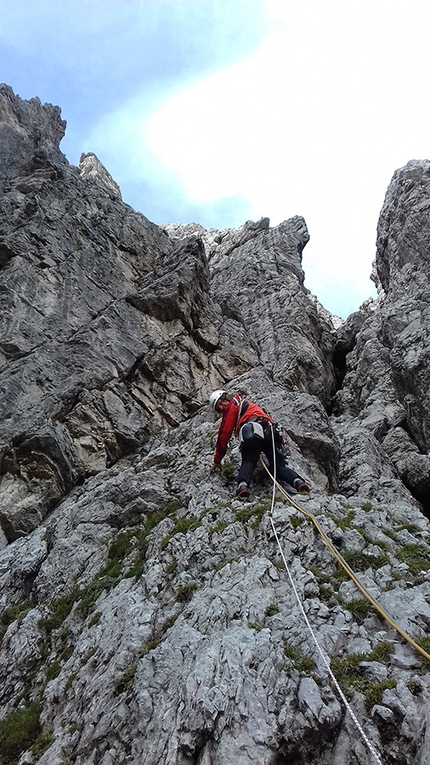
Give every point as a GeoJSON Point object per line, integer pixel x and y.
{"type": "Point", "coordinates": [19, 730]}
{"type": "Point", "coordinates": [416, 557]}
{"type": "Point", "coordinates": [304, 664]}
{"type": "Point", "coordinates": [350, 675]}
{"type": "Point", "coordinates": [185, 593]}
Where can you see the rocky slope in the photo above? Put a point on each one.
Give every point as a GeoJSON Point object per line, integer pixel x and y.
{"type": "Point", "coordinates": [147, 616]}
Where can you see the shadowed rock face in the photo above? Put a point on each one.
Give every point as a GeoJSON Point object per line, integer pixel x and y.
{"type": "Point", "coordinates": [387, 383]}
{"type": "Point", "coordinates": [112, 328]}
{"type": "Point", "coordinates": [30, 135]}
{"type": "Point", "coordinates": [146, 614]}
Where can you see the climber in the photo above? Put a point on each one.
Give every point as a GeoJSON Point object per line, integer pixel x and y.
{"type": "Point", "coordinates": [256, 431]}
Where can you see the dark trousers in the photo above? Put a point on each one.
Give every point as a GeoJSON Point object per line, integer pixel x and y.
{"type": "Point", "coordinates": [251, 451]}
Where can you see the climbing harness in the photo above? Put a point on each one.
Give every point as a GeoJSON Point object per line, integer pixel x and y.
{"type": "Point", "coordinates": [351, 574]}
{"type": "Point", "coordinates": [249, 431]}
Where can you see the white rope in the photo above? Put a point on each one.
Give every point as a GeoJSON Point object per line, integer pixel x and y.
{"type": "Point", "coordinates": [326, 662]}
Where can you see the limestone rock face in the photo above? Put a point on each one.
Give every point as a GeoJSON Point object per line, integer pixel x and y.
{"type": "Point", "coordinates": [147, 616]}
{"type": "Point", "coordinates": [386, 387]}
{"type": "Point", "coordinates": [30, 134]}
{"type": "Point", "coordinates": [90, 167]}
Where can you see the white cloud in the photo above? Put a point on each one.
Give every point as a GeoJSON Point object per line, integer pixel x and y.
{"type": "Point", "coordinates": [314, 123]}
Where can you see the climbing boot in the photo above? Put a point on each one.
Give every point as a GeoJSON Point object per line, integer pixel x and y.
{"type": "Point", "coordinates": [301, 486]}
{"type": "Point", "coordinates": [242, 490]}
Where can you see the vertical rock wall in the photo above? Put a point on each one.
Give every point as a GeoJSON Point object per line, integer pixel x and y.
{"type": "Point", "coordinates": [147, 616]}
{"type": "Point", "coordinates": [386, 388]}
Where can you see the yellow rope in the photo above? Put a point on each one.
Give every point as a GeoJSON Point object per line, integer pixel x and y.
{"type": "Point", "coordinates": [347, 568]}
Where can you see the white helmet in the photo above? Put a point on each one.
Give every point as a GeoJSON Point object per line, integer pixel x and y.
{"type": "Point", "coordinates": [215, 397]}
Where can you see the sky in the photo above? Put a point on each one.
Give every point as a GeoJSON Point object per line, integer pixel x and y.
{"type": "Point", "coordinates": [223, 111]}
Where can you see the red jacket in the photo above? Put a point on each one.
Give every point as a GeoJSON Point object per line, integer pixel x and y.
{"type": "Point", "coordinates": [232, 421]}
